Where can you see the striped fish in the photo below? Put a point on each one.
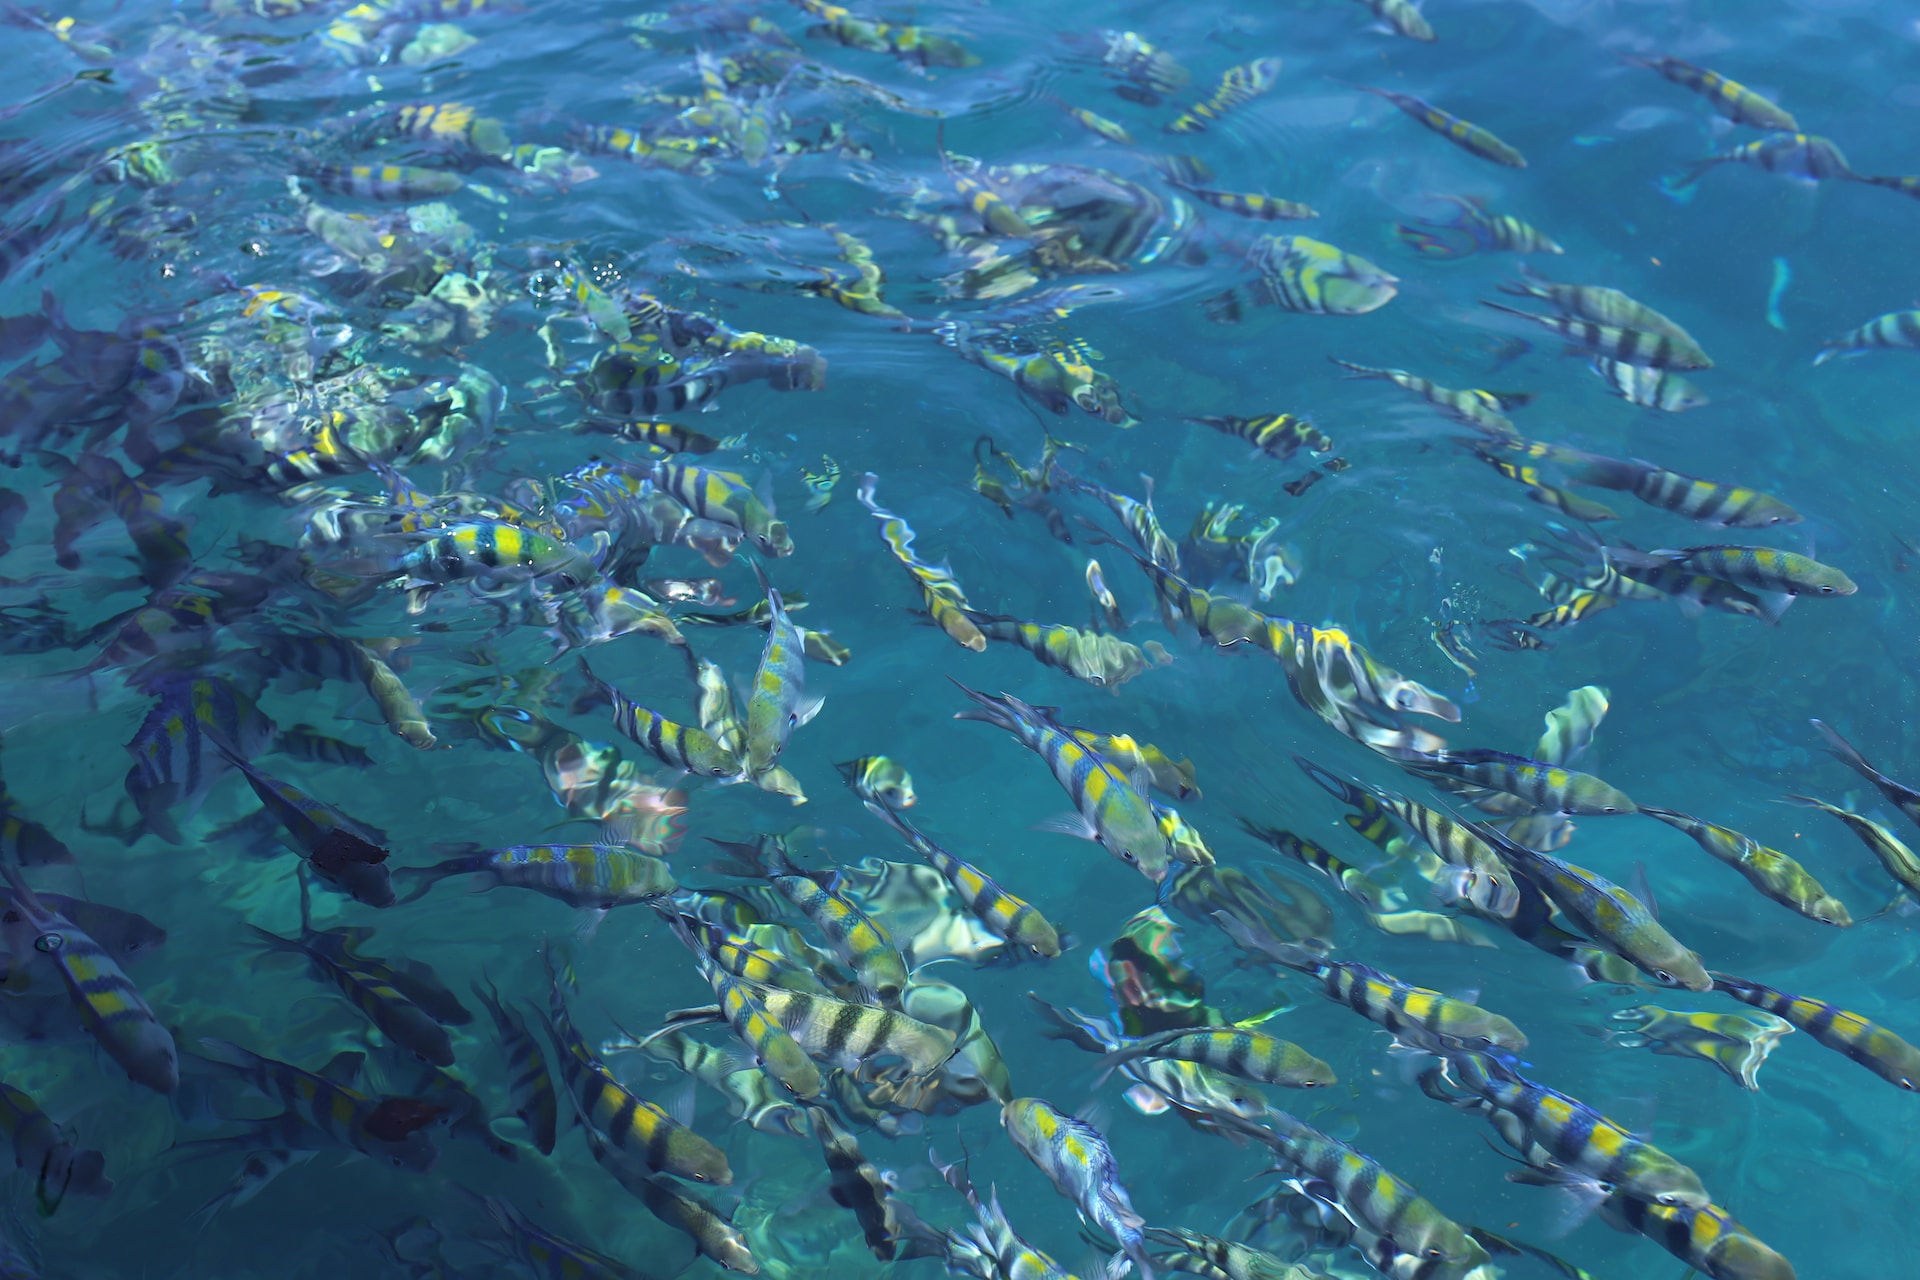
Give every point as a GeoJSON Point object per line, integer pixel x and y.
{"type": "Point", "coordinates": [1234, 1051]}
{"type": "Point", "coordinates": [1900, 861]}
{"type": "Point", "coordinates": [880, 779]}
{"type": "Point", "coordinates": [1012, 919]}
{"type": "Point", "coordinates": [1649, 388]}
{"type": "Point", "coordinates": [550, 1256]}
{"type": "Point", "coordinates": [1547, 787]}
{"type": "Point", "coordinates": [1773, 873]}
{"type": "Point", "coordinates": [396, 703]}
{"type": "Point", "coordinates": [344, 853]}
{"type": "Point", "coordinates": [1731, 99]}
{"type": "Point", "coordinates": [1797, 155]}
{"type": "Point", "coordinates": [1551, 1129]}
{"type": "Point", "coordinates": [1417, 1017]}
{"type": "Point", "coordinates": [1738, 1044]}
{"type": "Point", "coordinates": [40, 1148]}
{"type": "Point", "coordinates": [1761, 569]}
{"type": "Point", "coordinates": [1218, 1259]}
{"type": "Point", "coordinates": [684, 746]}
{"type": "Point", "coordinates": [1238, 86]}
{"type": "Point", "coordinates": [1256, 205]}
{"type": "Point", "coordinates": [385, 183]}
{"type": "Point", "coordinates": [1707, 1239]}
{"type": "Point", "coordinates": [595, 876]}
{"type": "Point", "coordinates": [176, 750]}
{"type": "Point", "coordinates": [323, 1113]}
{"type": "Point", "coordinates": [1310, 276]}
{"type": "Point", "coordinates": [530, 1091]}
{"type": "Point", "coordinates": [1484, 411]}
{"type": "Point", "coordinates": [946, 602]}
{"type": "Point", "coordinates": [1403, 1233]}
{"type": "Point", "coordinates": [1707, 501]}
{"type": "Point", "coordinates": [1469, 137]}
{"type": "Point", "coordinates": [110, 1007]}
{"type": "Point", "coordinates": [1402, 17]}
{"type": "Point", "coordinates": [1629, 346]}
{"type": "Point", "coordinates": [857, 1186]}
{"type": "Point", "coordinates": [1077, 1160]}
{"type": "Point", "coordinates": [635, 1129]}
{"type": "Point", "coordinates": [1278, 435]}
{"type": "Point", "coordinates": [1093, 656]}
{"type": "Point", "coordinates": [725, 499]}
{"type": "Point", "coordinates": [1901, 796]}
{"type": "Point", "coordinates": [1895, 329]}
{"type": "Point", "coordinates": [856, 937]}
{"type": "Point", "coordinates": [711, 1233]}
{"type": "Point", "coordinates": [402, 1021]}
{"type": "Point", "coordinates": [1614, 918]}
{"type": "Point", "coordinates": [847, 1035]}
{"type": "Point", "coordinates": [492, 551]}
{"type": "Point", "coordinates": [1867, 1043]}
{"type": "Point", "coordinates": [779, 703]}
{"type": "Point", "coordinates": [751, 1094]}
{"type": "Point", "coordinates": [1112, 810]}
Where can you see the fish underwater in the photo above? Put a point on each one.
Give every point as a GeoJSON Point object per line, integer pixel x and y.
{"type": "Point", "coordinates": [503, 505]}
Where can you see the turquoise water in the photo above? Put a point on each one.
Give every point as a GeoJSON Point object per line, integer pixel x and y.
{"type": "Point", "coordinates": [215, 332]}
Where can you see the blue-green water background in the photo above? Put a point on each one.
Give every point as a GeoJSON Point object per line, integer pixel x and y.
{"type": "Point", "coordinates": [1709, 715]}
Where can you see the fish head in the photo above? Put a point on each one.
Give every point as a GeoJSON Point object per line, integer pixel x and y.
{"type": "Point", "coordinates": [772, 539]}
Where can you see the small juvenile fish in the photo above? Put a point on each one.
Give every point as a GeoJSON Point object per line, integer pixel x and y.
{"type": "Point", "coordinates": [386, 183]}
{"type": "Point", "coordinates": [1256, 205]}
{"type": "Point", "coordinates": [779, 703]}
{"type": "Point", "coordinates": [1097, 124]}
{"type": "Point", "coordinates": [1733, 100]}
{"type": "Point", "coordinates": [684, 746]}
{"type": "Point", "coordinates": [597, 876]}
{"type": "Point", "coordinates": [1469, 137]}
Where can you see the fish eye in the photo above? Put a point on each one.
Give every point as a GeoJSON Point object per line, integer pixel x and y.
{"type": "Point", "coordinates": [1826, 591]}
{"type": "Point", "coordinates": [1434, 1253]}
{"type": "Point", "coordinates": [1665, 977]}
{"type": "Point", "coordinates": [1126, 855]}
{"type": "Point", "coordinates": [49, 942]}
{"type": "Point", "coordinates": [1609, 809]}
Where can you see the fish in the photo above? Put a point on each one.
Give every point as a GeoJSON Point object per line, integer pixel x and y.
{"type": "Point", "coordinates": [1628, 346]}
{"type": "Point", "coordinates": [1895, 329]}
{"type": "Point", "coordinates": [725, 499]}
{"type": "Point", "coordinates": [1728, 97]}
{"type": "Point", "coordinates": [1899, 795]}
{"type": "Point", "coordinates": [1706, 1238]}
{"type": "Point", "coordinates": [1219, 1259]}
{"type": "Point", "coordinates": [857, 1186]}
{"type": "Point", "coordinates": [777, 1053]}
{"type": "Point", "coordinates": [1475, 228]}
{"type": "Point", "coordinates": [1773, 873]}
{"type": "Point", "coordinates": [1277, 435]}
{"type": "Point", "coordinates": [687, 747]}
{"type": "Point", "coordinates": [1077, 1160]}
{"type": "Point", "coordinates": [1484, 411]}
{"type": "Point", "coordinates": [1759, 569]}
{"type": "Point", "coordinates": [946, 601]}
{"type": "Point", "coordinates": [1469, 137]}
{"type": "Point", "coordinates": [1900, 861]}
{"type": "Point", "coordinates": [594, 876]}
{"type": "Point", "coordinates": [1417, 1017]}
{"type": "Point", "coordinates": [41, 1150]}
{"type": "Point", "coordinates": [1111, 810]}
{"type": "Point", "coordinates": [1310, 276]}
{"type": "Point", "coordinates": [637, 1133]}
{"type": "Point", "coordinates": [398, 1018]}
{"type": "Point", "coordinates": [1097, 124]}
{"type": "Point", "coordinates": [857, 938]}
{"type": "Point", "coordinates": [1601, 305]}
{"type": "Point", "coordinates": [1018, 922]}
{"type": "Point", "coordinates": [1647, 387]}
{"type": "Point", "coordinates": [1547, 787]}
{"type": "Point", "coordinates": [531, 1090]}
{"type": "Point", "coordinates": [549, 1255]}
{"type": "Point", "coordinates": [1095, 657]}
{"type": "Point", "coordinates": [1737, 1044]}
{"type": "Point", "coordinates": [1403, 1230]}
{"type": "Point", "coordinates": [711, 1233]}
{"type": "Point", "coordinates": [881, 780]}
{"type": "Point", "coordinates": [779, 703]}
{"type": "Point", "coordinates": [323, 1113]}
{"type": "Point", "coordinates": [1551, 1129]}
{"type": "Point", "coordinates": [1238, 86]}
{"type": "Point", "coordinates": [109, 1005]}
{"type": "Point", "coordinates": [342, 852]}
{"type": "Point", "coordinates": [1234, 1051]}
{"type": "Point", "coordinates": [385, 183]}
{"type": "Point", "coordinates": [1257, 206]}
{"type": "Point", "coordinates": [849, 1035]}
{"type": "Point", "coordinates": [1797, 155]}
{"type": "Point", "coordinates": [1402, 17]}
{"type": "Point", "coordinates": [1867, 1043]}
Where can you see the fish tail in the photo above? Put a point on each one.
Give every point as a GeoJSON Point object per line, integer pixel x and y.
{"type": "Point", "coordinates": [1846, 752]}
{"type": "Point", "coordinates": [994, 711]}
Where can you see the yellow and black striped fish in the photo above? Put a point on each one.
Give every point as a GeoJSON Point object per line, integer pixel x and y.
{"type": "Point", "coordinates": [1239, 86]}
